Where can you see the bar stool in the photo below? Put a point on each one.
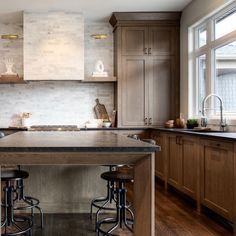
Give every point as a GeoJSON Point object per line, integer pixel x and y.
{"type": "Point", "coordinates": [26, 202]}
{"type": "Point", "coordinates": [121, 178]}
{"type": "Point", "coordinates": [104, 201]}
{"type": "Point", "coordinates": [12, 224]}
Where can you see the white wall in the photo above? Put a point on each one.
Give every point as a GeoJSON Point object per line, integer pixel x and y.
{"type": "Point", "coordinates": [194, 12]}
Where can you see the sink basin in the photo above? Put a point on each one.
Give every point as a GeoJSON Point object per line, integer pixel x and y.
{"type": "Point", "coordinates": [208, 131]}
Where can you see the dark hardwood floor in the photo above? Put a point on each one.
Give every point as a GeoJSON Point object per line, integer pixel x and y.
{"type": "Point", "coordinates": [174, 216]}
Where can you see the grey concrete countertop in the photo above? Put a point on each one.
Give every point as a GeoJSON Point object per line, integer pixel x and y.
{"type": "Point", "coordinates": [102, 141]}
{"type": "Point", "coordinates": [212, 134]}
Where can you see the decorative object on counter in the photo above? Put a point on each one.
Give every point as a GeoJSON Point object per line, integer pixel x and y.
{"type": "Point", "coordinates": [106, 124]}
{"type": "Point", "coordinates": [99, 70]}
{"type": "Point", "coordinates": [100, 111]}
{"type": "Point", "coordinates": [25, 119]}
{"type": "Point", "coordinates": [180, 123]}
{"type": "Point", "coordinates": [201, 129]}
{"type": "Point", "coordinates": [99, 36]}
{"type": "Point", "coordinates": [192, 123]}
{"type": "Point", "coordinates": [9, 63]}
{"type": "Point", "coordinates": [169, 124]}
{"type": "Point", "coordinates": [94, 123]}
{"type": "Point", "coordinates": [113, 118]}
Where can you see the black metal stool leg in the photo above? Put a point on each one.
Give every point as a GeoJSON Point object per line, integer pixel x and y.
{"type": "Point", "coordinates": [13, 225]}
{"type": "Point", "coordinates": [121, 220]}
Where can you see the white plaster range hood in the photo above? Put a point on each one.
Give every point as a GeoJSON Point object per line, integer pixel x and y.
{"type": "Point", "coordinates": [53, 46]}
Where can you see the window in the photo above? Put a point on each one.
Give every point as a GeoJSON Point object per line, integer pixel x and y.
{"type": "Point", "coordinates": [201, 60]}
{"type": "Point", "coordinates": [202, 34]}
{"type": "Point", "coordinates": [213, 58]}
{"type": "Point", "coordinates": [225, 75]}
{"type": "Point", "coordinates": [225, 24]}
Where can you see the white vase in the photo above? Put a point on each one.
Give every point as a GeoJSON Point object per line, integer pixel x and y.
{"type": "Point", "coordinates": [26, 122]}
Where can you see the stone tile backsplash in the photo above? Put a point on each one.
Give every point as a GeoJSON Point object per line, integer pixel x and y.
{"type": "Point", "coordinates": [56, 102]}
{"type": "Point", "coordinates": [53, 46]}
{"type": "Point", "coordinates": [53, 103]}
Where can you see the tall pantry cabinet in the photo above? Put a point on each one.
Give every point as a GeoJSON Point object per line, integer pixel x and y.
{"type": "Point", "coordinates": [146, 52]}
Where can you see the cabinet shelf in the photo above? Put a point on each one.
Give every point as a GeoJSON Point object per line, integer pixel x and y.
{"type": "Point", "coordinates": [11, 79]}
{"type": "Point", "coordinates": [99, 79]}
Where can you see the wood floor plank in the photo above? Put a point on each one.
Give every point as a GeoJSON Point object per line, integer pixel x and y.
{"type": "Point", "coordinates": [174, 217]}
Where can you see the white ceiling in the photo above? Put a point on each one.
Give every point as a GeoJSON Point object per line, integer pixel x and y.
{"type": "Point", "coordinates": [94, 10]}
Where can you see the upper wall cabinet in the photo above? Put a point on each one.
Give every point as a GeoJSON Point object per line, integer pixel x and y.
{"type": "Point", "coordinates": [53, 46]}
{"type": "Point", "coordinates": [134, 41]}
{"type": "Point", "coordinates": [148, 41]}
{"type": "Point", "coordinates": [146, 67]}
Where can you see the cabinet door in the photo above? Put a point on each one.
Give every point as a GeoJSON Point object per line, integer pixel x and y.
{"type": "Point", "coordinates": [174, 161]}
{"type": "Point", "coordinates": [134, 41]}
{"type": "Point", "coordinates": [160, 156]}
{"type": "Point", "coordinates": [162, 40]}
{"type": "Point", "coordinates": [190, 165]}
{"type": "Point", "coordinates": [133, 92]}
{"type": "Point", "coordinates": [161, 70]}
{"type": "Point", "coordinates": [217, 179]}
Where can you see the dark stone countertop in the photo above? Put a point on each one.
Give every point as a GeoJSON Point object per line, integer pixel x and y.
{"type": "Point", "coordinates": [212, 134]}
{"type": "Point", "coordinates": [83, 141]}
{"type": "Point", "coordinates": [112, 129]}
{"type": "Point", "coordinates": [14, 128]}
{"type": "Point", "coordinates": [79, 129]}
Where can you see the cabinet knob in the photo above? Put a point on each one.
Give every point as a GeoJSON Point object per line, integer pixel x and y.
{"type": "Point", "coordinates": [150, 121]}
{"type": "Point", "coordinates": [146, 121]}
{"type": "Point", "coordinates": [149, 51]}
{"type": "Point", "coordinates": [146, 51]}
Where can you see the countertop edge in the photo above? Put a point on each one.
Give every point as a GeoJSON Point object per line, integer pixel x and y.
{"type": "Point", "coordinates": [231, 136]}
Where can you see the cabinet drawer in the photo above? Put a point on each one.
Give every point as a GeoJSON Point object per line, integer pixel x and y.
{"type": "Point", "coordinates": [217, 144]}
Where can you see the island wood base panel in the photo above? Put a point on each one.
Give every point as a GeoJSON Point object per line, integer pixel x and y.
{"type": "Point", "coordinates": [144, 179]}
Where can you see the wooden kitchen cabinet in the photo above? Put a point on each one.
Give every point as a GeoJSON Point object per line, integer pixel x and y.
{"type": "Point", "coordinates": [146, 50]}
{"type": "Point", "coordinates": [190, 166]}
{"type": "Point", "coordinates": [217, 176]}
{"type": "Point", "coordinates": [133, 95]}
{"type": "Point", "coordinates": [162, 40]}
{"type": "Point", "coordinates": [134, 41]}
{"type": "Point", "coordinates": [160, 80]}
{"type": "Point", "coordinates": [183, 164]}
{"type": "Point", "coordinates": [174, 161]}
{"type": "Point", "coordinates": [160, 163]}
{"type": "Point", "coordinates": [203, 169]}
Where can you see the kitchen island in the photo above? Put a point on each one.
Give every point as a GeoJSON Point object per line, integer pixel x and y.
{"type": "Point", "coordinates": [90, 148]}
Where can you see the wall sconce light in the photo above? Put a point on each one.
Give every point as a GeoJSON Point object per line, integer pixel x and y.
{"type": "Point", "coordinates": [99, 36]}
{"type": "Point", "coordinates": [10, 36]}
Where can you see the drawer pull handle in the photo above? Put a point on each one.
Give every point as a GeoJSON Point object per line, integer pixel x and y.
{"type": "Point", "coordinates": [146, 51]}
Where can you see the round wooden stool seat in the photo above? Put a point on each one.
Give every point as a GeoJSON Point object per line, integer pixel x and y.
{"type": "Point", "coordinates": [13, 175]}
{"type": "Point", "coordinates": [124, 176]}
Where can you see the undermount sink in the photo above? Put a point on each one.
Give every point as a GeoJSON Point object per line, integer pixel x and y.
{"type": "Point", "coordinates": [207, 131]}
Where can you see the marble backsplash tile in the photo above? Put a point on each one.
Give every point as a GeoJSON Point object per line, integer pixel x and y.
{"type": "Point", "coordinates": [53, 103]}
